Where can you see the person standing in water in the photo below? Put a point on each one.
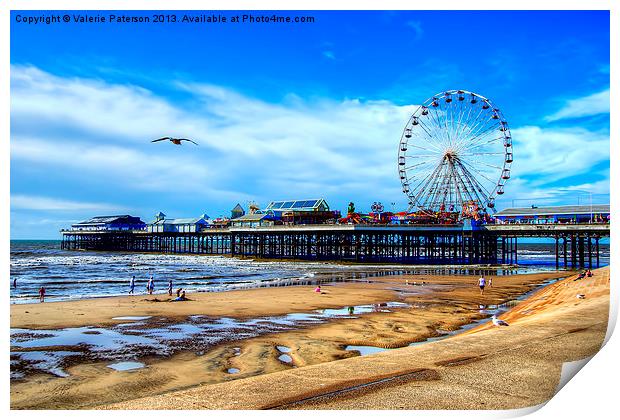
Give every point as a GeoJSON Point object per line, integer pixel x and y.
{"type": "Point", "coordinates": [14, 282]}
{"type": "Point", "coordinates": [42, 294]}
{"type": "Point", "coordinates": [481, 283]}
{"type": "Point", "coordinates": [132, 284]}
{"type": "Point", "coordinates": [169, 287]}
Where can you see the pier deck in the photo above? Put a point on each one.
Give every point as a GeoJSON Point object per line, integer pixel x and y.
{"type": "Point", "coordinates": [576, 245]}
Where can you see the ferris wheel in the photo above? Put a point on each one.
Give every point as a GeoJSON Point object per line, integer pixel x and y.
{"type": "Point", "coordinates": [455, 154]}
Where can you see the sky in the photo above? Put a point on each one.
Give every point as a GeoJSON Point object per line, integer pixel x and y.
{"type": "Point", "coordinates": [290, 111]}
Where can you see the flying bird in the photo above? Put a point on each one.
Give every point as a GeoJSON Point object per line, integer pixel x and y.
{"type": "Point", "coordinates": [175, 141]}
{"type": "Point", "coordinates": [498, 322]}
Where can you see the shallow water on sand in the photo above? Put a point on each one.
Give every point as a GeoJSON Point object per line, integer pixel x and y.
{"type": "Point", "coordinates": [157, 336]}
{"type": "Point", "coordinates": [124, 366]}
{"type": "Point", "coordinates": [81, 274]}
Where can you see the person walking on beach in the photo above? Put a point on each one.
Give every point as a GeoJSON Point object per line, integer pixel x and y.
{"type": "Point", "coordinates": [481, 283]}
{"type": "Point", "coordinates": [151, 285]}
{"type": "Point", "coordinates": [491, 282]}
{"type": "Point", "coordinates": [132, 284]}
{"type": "Point", "coordinates": [42, 294]}
{"type": "Point", "coordinates": [169, 287]}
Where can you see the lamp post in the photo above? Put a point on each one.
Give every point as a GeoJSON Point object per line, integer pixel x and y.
{"type": "Point", "coordinates": [591, 206]}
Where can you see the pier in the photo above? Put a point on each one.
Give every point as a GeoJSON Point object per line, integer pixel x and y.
{"type": "Point", "coordinates": [576, 245]}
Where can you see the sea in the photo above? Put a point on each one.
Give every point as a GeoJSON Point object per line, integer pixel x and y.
{"type": "Point", "coordinates": [70, 275]}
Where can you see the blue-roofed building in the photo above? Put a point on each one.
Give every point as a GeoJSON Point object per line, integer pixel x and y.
{"type": "Point", "coordinates": [120, 222]}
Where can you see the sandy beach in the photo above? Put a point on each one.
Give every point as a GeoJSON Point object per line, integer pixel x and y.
{"type": "Point", "coordinates": [322, 371]}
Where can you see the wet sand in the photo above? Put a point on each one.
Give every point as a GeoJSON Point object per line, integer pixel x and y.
{"type": "Point", "coordinates": [265, 301]}
{"type": "Point", "coordinates": [486, 368]}
{"type": "Point", "coordinates": [437, 304]}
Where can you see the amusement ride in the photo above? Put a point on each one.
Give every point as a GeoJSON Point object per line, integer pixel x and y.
{"type": "Point", "coordinates": [454, 156]}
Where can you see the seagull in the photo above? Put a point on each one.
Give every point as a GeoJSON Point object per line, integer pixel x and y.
{"type": "Point", "coordinates": [581, 296]}
{"type": "Point", "coordinates": [498, 322]}
{"type": "Point", "coordinates": [175, 141]}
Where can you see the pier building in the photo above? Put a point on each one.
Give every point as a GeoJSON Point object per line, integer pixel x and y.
{"type": "Point", "coordinates": [186, 225]}
{"type": "Point", "coordinates": [597, 213]}
{"type": "Point", "coordinates": [110, 223]}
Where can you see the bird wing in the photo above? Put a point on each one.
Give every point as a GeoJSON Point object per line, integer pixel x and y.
{"type": "Point", "coordinates": [189, 141]}
{"type": "Point", "coordinates": [161, 139]}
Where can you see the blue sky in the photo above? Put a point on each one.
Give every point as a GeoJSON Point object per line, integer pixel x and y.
{"type": "Point", "coordinates": [291, 110]}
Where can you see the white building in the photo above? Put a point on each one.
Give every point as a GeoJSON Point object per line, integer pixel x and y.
{"type": "Point", "coordinates": [185, 225]}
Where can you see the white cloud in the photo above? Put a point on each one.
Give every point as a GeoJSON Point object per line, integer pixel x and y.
{"type": "Point", "coordinates": [29, 202]}
{"type": "Point", "coordinates": [329, 54]}
{"type": "Point", "coordinates": [587, 106]}
{"type": "Point", "coordinates": [315, 145]}
{"type": "Point", "coordinates": [557, 153]}
{"type": "Point", "coordinates": [249, 148]}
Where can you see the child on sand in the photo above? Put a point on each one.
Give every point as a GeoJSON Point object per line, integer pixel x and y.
{"type": "Point", "coordinates": [318, 289]}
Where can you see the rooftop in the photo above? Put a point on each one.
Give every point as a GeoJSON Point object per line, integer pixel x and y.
{"type": "Point", "coordinates": [299, 205]}
{"type": "Point", "coordinates": [185, 221]}
{"type": "Point", "coordinates": [251, 217]}
{"type": "Point", "coordinates": [101, 220]}
{"type": "Point", "coordinates": [553, 210]}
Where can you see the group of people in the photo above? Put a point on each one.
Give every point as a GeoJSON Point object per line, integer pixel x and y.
{"type": "Point", "coordinates": [584, 274]}
{"type": "Point", "coordinates": [150, 288]}
{"type": "Point", "coordinates": [41, 290]}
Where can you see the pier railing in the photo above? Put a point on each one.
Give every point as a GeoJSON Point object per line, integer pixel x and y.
{"type": "Point", "coordinates": [575, 245]}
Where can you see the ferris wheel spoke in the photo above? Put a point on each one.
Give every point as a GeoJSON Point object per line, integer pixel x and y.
{"type": "Point", "coordinates": [483, 134]}
{"type": "Point", "coordinates": [415, 146]}
{"type": "Point", "coordinates": [476, 187]}
{"type": "Point", "coordinates": [427, 130]}
{"type": "Point", "coordinates": [437, 113]}
{"type": "Point", "coordinates": [485, 143]}
{"type": "Point", "coordinates": [437, 185]}
{"type": "Point", "coordinates": [430, 181]}
{"type": "Point", "coordinates": [483, 118]}
{"type": "Point", "coordinates": [467, 119]}
{"type": "Point", "coordinates": [432, 123]}
{"type": "Point", "coordinates": [482, 153]}
{"type": "Point", "coordinates": [416, 165]}
{"type": "Point", "coordinates": [444, 114]}
{"type": "Point", "coordinates": [473, 168]}
{"type": "Point", "coordinates": [461, 122]}
{"type": "Point", "coordinates": [479, 128]}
